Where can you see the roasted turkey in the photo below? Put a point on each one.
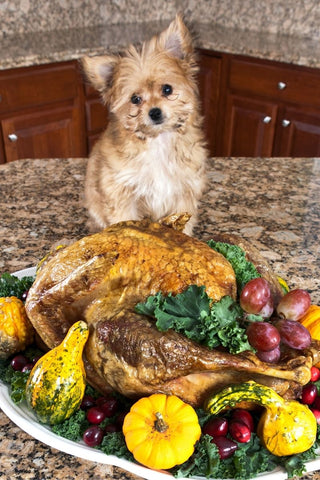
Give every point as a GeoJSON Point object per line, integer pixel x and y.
{"type": "Point", "coordinates": [101, 278]}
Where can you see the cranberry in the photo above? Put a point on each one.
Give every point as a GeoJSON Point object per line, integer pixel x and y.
{"type": "Point", "coordinates": [226, 447]}
{"type": "Point", "coordinates": [216, 427]}
{"type": "Point", "coordinates": [93, 436]}
{"type": "Point", "coordinates": [243, 416]}
{"type": "Point", "coordinates": [18, 362]}
{"type": "Point", "coordinates": [95, 415]}
{"type": "Point", "coordinates": [315, 374]}
{"type": "Point", "coordinates": [309, 394]}
{"type": "Point", "coordinates": [240, 432]}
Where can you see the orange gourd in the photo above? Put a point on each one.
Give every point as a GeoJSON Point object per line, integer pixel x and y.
{"type": "Point", "coordinates": [16, 331]}
{"type": "Point", "coordinates": [311, 320]}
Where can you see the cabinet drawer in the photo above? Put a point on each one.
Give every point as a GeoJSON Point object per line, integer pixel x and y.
{"type": "Point", "coordinates": [29, 87]}
{"type": "Point", "coordinates": [288, 84]}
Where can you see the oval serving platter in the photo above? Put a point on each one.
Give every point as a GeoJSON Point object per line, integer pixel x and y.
{"type": "Point", "coordinates": [24, 419]}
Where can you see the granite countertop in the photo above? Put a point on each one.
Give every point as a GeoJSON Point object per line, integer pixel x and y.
{"type": "Point", "coordinates": [61, 45]}
{"type": "Point", "coordinates": [274, 203]}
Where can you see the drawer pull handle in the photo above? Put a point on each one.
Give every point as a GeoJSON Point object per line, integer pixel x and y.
{"type": "Point", "coordinates": [285, 123]}
{"type": "Point", "coordinates": [12, 137]}
{"type": "Point", "coordinates": [267, 119]}
{"type": "Point", "coordinates": [281, 85]}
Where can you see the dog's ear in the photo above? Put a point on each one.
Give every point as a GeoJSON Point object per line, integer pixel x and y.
{"type": "Point", "coordinates": [176, 39]}
{"type": "Point", "coordinates": [99, 70]}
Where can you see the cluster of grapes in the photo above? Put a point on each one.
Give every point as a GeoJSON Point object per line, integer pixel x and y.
{"type": "Point", "coordinates": [97, 411]}
{"type": "Point", "coordinates": [280, 324]}
{"type": "Point", "coordinates": [226, 433]}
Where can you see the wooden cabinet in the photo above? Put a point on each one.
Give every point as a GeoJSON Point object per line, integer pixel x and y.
{"type": "Point", "coordinates": [96, 115]}
{"type": "Point", "coordinates": [42, 112]}
{"type": "Point", "coordinates": [251, 107]}
{"type": "Point", "coordinates": [209, 78]}
{"type": "Point", "coordinates": [270, 109]}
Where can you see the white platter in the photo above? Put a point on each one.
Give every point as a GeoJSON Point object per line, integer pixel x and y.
{"type": "Point", "coordinates": [24, 419]}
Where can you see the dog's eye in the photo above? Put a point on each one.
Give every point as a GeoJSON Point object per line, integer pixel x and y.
{"type": "Point", "coordinates": [135, 99]}
{"type": "Point", "coordinates": [166, 90]}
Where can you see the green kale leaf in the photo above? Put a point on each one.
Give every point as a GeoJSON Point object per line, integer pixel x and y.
{"type": "Point", "coordinates": [243, 269]}
{"type": "Point", "coordinates": [193, 314]}
{"type": "Point", "coordinates": [115, 444]}
{"type": "Point", "coordinates": [12, 286]}
{"type": "Point", "coordinates": [72, 428]}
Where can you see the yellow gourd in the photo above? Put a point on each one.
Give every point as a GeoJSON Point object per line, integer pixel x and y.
{"type": "Point", "coordinates": [311, 320]}
{"type": "Point", "coordinates": [161, 431]}
{"type": "Point", "coordinates": [16, 331]}
{"type": "Point", "coordinates": [286, 427]}
{"type": "Point", "coordinates": [56, 384]}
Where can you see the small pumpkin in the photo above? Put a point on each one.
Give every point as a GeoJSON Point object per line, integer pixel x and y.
{"type": "Point", "coordinates": [285, 428]}
{"type": "Point", "coordinates": [311, 320]}
{"type": "Point", "coordinates": [16, 331]}
{"type": "Point", "coordinates": [56, 383]}
{"type": "Point", "coordinates": [161, 431]}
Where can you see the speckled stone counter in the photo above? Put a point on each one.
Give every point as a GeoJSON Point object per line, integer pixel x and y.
{"type": "Point", "coordinates": [60, 45]}
{"type": "Point", "coordinates": [274, 203]}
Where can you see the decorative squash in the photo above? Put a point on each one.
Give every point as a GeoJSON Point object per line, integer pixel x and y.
{"type": "Point", "coordinates": [283, 285]}
{"type": "Point", "coordinates": [16, 331]}
{"type": "Point", "coordinates": [311, 320]}
{"type": "Point", "coordinates": [56, 384]}
{"type": "Point", "coordinates": [285, 427]}
{"type": "Point", "coordinates": [161, 431]}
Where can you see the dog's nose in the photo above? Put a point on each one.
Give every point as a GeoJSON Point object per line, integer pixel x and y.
{"type": "Point", "coordinates": [156, 115]}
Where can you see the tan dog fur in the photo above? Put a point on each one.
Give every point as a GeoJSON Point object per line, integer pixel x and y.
{"type": "Point", "coordinates": [144, 167]}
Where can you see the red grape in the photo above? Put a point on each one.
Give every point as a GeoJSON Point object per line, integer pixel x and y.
{"type": "Point", "coordinates": [273, 356]}
{"type": "Point", "coordinates": [256, 296]}
{"type": "Point", "coordinates": [216, 427]}
{"type": "Point", "coordinates": [316, 403]}
{"type": "Point", "coordinates": [87, 402]}
{"type": "Point", "coordinates": [95, 415]}
{"type": "Point", "coordinates": [240, 432]}
{"type": "Point", "coordinates": [315, 374]}
{"type": "Point", "coordinates": [93, 436]}
{"type": "Point", "coordinates": [263, 336]}
{"type": "Point", "coordinates": [293, 334]}
{"type": "Point", "coordinates": [19, 362]}
{"type": "Point", "coordinates": [309, 394]}
{"type": "Point", "coordinates": [316, 413]}
{"type": "Point", "coordinates": [109, 407]}
{"type": "Point", "coordinates": [294, 304]}
{"type": "Point", "coordinates": [226, 446]}
{"type": "Point", "coordinates": [111, 428]}
{"type": "Point", "coordinates": [241, 415]}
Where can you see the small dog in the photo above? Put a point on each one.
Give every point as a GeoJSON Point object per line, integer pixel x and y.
{"type": "Point", "coordinates": [151, 160]}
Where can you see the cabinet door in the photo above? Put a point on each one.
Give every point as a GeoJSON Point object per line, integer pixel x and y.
{"type": "Point", "coordinates": [209, 81]}
{"type": "Point", "coordinates": [298, 133]}
{"type": "Point", "coordinates": [249, 127]}
{"type": "Point", "coordinates": [45, 133]}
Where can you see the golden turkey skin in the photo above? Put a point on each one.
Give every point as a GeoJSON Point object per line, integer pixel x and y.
{"type": "Point", "coordinates": [101, 278]}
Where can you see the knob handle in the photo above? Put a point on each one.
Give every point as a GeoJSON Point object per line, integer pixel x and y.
{"type": "Point", "coordinates": [12, 137]}
{"type": "Point", "coordinates": [281, 85]}
{"type": "Point", "coordinates": [285, 122]}
{"type": "Point", "coordinates": [267, 119]}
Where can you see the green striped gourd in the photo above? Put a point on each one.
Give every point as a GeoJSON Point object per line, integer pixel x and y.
{"type": "Point", "coordinates": [56, 384]}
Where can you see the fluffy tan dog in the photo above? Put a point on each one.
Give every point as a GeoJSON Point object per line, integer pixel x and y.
{"type": "Point", "coordinates": [151, 160]}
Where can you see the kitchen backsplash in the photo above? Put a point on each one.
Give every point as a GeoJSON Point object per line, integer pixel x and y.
{"type": "Point", "coordinates": [293, 17]}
